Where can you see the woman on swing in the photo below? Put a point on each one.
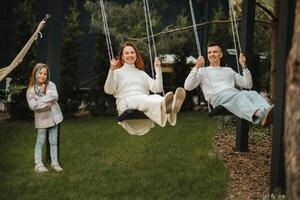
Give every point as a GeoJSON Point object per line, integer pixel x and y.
{"type": "Point", "coordinates": [218, 86]}
{"type": "Point", "coordinates": [131, 87]}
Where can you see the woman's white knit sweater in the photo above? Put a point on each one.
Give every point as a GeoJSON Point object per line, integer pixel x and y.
{"type": "Point", "coordinates": [130, 86]}
{"type": "Point", "coordinates": [129, 81]}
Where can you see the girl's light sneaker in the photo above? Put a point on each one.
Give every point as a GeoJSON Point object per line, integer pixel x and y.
{"type": "Point", "coordinates": [57, 167]}
{"type": "Point", "coordinates": [40, 168]}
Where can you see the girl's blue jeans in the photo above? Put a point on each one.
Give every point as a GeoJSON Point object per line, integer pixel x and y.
{"type": "Point", "coordinates": [40, 140]}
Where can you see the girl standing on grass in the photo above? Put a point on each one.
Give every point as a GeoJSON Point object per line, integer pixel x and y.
{"type": "Point", "coordinates": [42, 99]}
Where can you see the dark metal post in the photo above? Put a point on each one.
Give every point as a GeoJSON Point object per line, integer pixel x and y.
{"type": "Point", "coordinates": [247, 33]}
{"type": "Point", "coordinates": [54, 53]}
{"type": "Point", "coordinates": [285, 32]}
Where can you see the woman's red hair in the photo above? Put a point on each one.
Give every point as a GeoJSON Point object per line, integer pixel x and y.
{"type": "Point", "coordinates": [139, 61]}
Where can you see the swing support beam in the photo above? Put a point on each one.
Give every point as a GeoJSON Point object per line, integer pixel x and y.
{"type": "Point", "coordinates": [54, 57]}
{"type": "Point", "coordinates": [285, 33]}
{"type": "Point", "coordinates": [247, 35]}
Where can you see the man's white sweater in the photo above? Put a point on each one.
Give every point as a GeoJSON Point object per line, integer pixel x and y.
{"type": "Point", "coordinates": [215, 79]}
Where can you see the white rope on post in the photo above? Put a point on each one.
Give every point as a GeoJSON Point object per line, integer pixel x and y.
{"type": "Point", "coordinates": [195, 28]}
{"type": "Point", "coordinates": [19, 58]}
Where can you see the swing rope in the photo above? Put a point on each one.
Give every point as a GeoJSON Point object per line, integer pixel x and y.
{"type": "Point", "coordinates": [150, 34]}
{"type": "Point", "coordinates": [195, 28]}
{"type": "Point", "coordinates": [233, 19]}
{"type": "Point", "coordinates": [106, 31]}
{"type": "Point", "coordinates": [19, 58]}
{"type": "Point", "coordinates": [235, 35]}
{"type": "Point", "coordinates": [130, 113]}
{"type": "Point", "coordinates": [147, 22]}
{"type": "Point", "coordinates": [199, 46]}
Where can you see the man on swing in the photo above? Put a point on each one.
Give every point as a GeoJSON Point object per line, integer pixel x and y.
{"type": "Point", "coordinates": [218, 85]}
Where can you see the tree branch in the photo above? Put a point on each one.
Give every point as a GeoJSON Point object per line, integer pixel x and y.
{"type": "Point", "coordinates": [267, 11]}
{"type": "Point", "coordinates": [168, 29]}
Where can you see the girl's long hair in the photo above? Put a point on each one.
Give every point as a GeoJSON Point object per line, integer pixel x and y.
{"type": "Point", "coordinates": [139, 61]}
{"type": "Point", "coordinates": [33, 80]}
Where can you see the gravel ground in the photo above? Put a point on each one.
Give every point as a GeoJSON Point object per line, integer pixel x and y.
{"type": "Point", "coordinates": [249, 172]}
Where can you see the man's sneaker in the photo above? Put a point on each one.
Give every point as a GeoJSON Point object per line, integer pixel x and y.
{"type": "Point", "coordinates": [40, 168]}
{"type": "Point", "coordinates": [57, 167]}
{"type": "Point", "coordinates": [268, 118]}
{"type": "Point", "coordinates": [167, 102]}
{"type": "Point", "coordinates": [178, 99]}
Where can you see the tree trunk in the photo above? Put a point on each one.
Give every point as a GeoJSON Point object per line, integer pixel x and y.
{"type": "Point", "coordinates": [292, 113]}
{"type": "Point", "coordinates": [274, 51]}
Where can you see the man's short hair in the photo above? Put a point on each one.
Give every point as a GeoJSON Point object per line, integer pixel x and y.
{"type": "Point", "coordinates": [211, 44]}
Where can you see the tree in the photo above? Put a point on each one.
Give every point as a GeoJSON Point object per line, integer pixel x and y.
{"type": "Point", "coordinates": [268, 11]}
{"type": "Point", "coordinates": [128, 23]}
{"type": "Point", "coordinates": [71, 34]}
{"type": "Point", "coordinates": [25, 26]}
{"type": "Point", "coordinates": [292, 114]}
{"type": "Point", "coordinates": [221, 33]}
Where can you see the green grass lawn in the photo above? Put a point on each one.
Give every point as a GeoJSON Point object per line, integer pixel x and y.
{"type": "Point", "coordinates": [102, 161]}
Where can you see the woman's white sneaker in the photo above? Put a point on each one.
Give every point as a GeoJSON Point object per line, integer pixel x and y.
{"type": "Point", "coordinates": [167, 102]}
{"type": "Point", "coordinates": [178, 99]}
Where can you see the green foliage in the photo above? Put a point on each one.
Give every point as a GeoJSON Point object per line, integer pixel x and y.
{"type": "Point", "coordinates": [6, 95]}
{"type": "Point", "coordinates": [183, 45]}
{"type": "Point", "coordinates": [70, 53]}
{"type": "Point", "coordinates": [133, 14]}
{"type": "Point", "coordinates": [102, 161]}
{"type": "Point", "coordinates": [97, 101]}
{"type": "Point", "coordinates": [220, 33]}
{"type": "Point", "coordinates": [129, 24]}
{"type": "Point", "coordinates": [181, 71]}
{"type": "Point", "coordinates": [25, 27]}
{"type": "Point", "coordinates": [263, 31]}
